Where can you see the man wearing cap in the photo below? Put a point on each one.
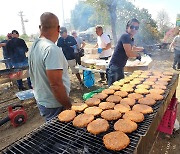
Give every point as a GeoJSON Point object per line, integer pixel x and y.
{"type": "Point", "coordinates": [3, 45]}
{"type": "Point", "coordinates": [104, 47]}
{"type": "Point", "coordinates": [69, 47]}
{"type": "Point", "coordinates": [48, 69]}
{"type": "Point", "coordinates": [16, 51]}
{"type": "Point", "coordinates": [80, 44]}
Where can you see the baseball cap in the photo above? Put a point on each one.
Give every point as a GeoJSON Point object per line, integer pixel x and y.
{"type": "Point", "coordinates": [63, 29]}
{"type": "Point", "coordinates": [15, 31]}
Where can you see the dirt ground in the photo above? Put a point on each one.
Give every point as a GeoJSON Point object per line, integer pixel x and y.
{"type": "Point", "coordinates": [162, 60]}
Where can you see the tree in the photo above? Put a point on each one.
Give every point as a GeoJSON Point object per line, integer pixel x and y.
{"type": "Point", "coordinates": [108, 8]}
{"type": "Point", "coordinates": [148, 33]}
{"type": "Point", "coordinates": [116, 13]}
{"type": "Point", "coordinates": [81, 16]}
{"type": "Point", "coordinates": [163, 21]}
{"type": "Point", "coordinates": [2, 37]}
{"type": "Point", "coordinates": [25, 37]}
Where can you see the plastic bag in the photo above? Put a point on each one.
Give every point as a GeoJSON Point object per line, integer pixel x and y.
{"type": "Point", "coordinates": [92, 93]}
{"type": "Point", "coordinates": [176, 125]}
{"type": "Point", "coordinates": [88, 78]}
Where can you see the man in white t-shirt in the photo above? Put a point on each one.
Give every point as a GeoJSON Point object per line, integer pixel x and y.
{"type": "Point", "coordinates": [48, 69]}
{"type": "Point", "coordinates": [104, 47]}
{"type": "Point", "coordinates": [176, 45]}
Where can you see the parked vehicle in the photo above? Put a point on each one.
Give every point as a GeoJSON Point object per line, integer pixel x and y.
{"type": "Point", "coordinates": [88, 35]}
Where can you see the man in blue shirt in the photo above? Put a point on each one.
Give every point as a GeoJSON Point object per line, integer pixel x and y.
{"type": "Point", "coordinates": [124, 49]}
{"type": "Point", "coordinates": [16, 51]}
{"type": "Point", "coordinates": [69, 46]}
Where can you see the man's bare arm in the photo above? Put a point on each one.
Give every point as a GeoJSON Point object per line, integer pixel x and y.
{"type": "Point", "coordinates": [2, 44]}
{"type": "Point", "coordinates": [96, 45]}
{"type": "Point", "coordinates": [137, 49]}
{"type": "Point", "coordinates": [129, 52]}
{"type": "Point", "coordinates": [58, 88]}
{"type": "Point", "coordinates": [108, 46]}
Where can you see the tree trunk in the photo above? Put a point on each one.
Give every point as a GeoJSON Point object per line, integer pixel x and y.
{"type": "Point", "coordinates": [112, 11]}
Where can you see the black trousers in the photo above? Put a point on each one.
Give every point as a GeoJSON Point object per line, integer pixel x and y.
{"type": "Point", "coordinates": [102, 75]}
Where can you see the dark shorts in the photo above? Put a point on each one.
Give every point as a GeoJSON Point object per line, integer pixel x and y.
{"type": "Point", "coordinates": [49, 113]}
{"type": "Point", "coordinates": [114, 73]}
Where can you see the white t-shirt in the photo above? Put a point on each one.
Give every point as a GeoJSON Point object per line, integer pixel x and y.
{"type": "Point", "coordinates": [177, 42]}
{"type": "Point", "coordinates": [102, 42]}
{"type": "Point", "coordinates": [45, 55]}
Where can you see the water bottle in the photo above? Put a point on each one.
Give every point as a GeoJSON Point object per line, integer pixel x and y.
{"type": "Point", "coordinates": [75, 48]}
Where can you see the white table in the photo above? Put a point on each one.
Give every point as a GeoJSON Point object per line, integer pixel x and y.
{"type": "Point", "coordinates": [80, 67]}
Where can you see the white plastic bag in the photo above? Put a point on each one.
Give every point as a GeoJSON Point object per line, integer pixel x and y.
{"type": "Point", "coordinates": [176, 125]}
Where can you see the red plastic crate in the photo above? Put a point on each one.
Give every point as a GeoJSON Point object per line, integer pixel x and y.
{"type": "Point", "coordinates": [167, 123]}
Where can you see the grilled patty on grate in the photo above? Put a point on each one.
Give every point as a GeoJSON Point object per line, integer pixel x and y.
{"type": "Point", "coordinates": [128, 101]}
{"type": "Point", "coordinates": [156, 91]}
{"type": "Point", "coordinates": [145, 109]}
{"type": "Point", "coordinates": [116, 140]}
{"type": "Point", "coordinates": [114, 99]}
{"type": "Point", "coordinates": [92, 101]}
{"type": "Point", "coordinates": [98, 126]}
{"type": "Point", "coordinates": [155, 96]}
{"type": "Point", "coordinates": [147, 101]}
{"type": "Point", "coordinates": [135, 96]}
{"type": "Point", "coordinates": [106, 105]}
{"type": "Point", "coordinates": [143, 86]}
{"type": "Point", "coordinates": [114, 87]}
{"type": "Point", "coordinates": [83, 120]}
{"type": "Point", "coordinates": [78, 107]}
{"type": "Point", "coordinates": [108, 91]}
{"type": "Point", "coordinates": [122, 108]}
{"type": "Point", "coordinates": [67, 115]}
{"type": "Point", "coordinates": [121, 93]}
{"type": "Point", "coordinates": [125, 125]}
{"type": "Point", "coordinates": [111, 114]}
{"type": "Point", "coordinates": [93, 110]}
{"type": "Point", "coordinates": [100, 96]}
{"type": "Point", "coordinates": [134, 116]}
{"type": "Point", "coordinates": [159, 86]}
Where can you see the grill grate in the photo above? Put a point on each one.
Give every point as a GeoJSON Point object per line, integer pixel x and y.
{"type": "Point", "coordinates": [56, 137]}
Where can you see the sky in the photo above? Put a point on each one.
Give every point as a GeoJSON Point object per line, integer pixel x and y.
{"type": "Point", "coordinates": [32, 9]}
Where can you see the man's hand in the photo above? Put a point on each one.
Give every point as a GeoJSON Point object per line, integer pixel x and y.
{"type": "Point", "coordinates": [138, 57]}
{"type": "Point", "coordinates": [137, 49]}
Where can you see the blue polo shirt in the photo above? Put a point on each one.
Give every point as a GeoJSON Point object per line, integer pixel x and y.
{"type": "Point", "coordinates": [66, 44]}
{"type": "Point", "coordinates": [119, 57]}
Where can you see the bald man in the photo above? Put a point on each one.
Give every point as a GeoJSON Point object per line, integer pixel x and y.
{"type": "Point", "coordinates": [49, 69]}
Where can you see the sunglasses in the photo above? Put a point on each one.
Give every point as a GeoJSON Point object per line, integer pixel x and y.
{"type": "Point", "coordinates": [134, 27]}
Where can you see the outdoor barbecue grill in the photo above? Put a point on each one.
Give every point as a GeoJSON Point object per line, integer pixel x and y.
{"type": "Point", "coordinates": [7, 75]}
{"type": "Point", "coordinates": [13, 70]}
{"type": "Point", "coordinates": [57, 137]}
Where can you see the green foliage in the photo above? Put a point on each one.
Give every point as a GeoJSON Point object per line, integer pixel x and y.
{"type": "Point", "coordinates": [124, 11]}
{"type": "Point", "coordinates": [2, 37]}
{"type": "Point", "coordinates": [82, 16]}
{"type": "Point", "coordinates": [25, 37]}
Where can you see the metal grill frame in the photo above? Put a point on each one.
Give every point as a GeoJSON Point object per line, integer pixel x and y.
{"type": "Point", "coordinates": [55, 130]}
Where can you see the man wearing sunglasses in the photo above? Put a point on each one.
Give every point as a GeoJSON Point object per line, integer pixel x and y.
{"type": "Point", "coordinates": [124, 49]}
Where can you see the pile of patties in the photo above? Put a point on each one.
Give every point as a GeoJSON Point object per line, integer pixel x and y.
{"type": "Point", "coordinates": [125, 103]}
